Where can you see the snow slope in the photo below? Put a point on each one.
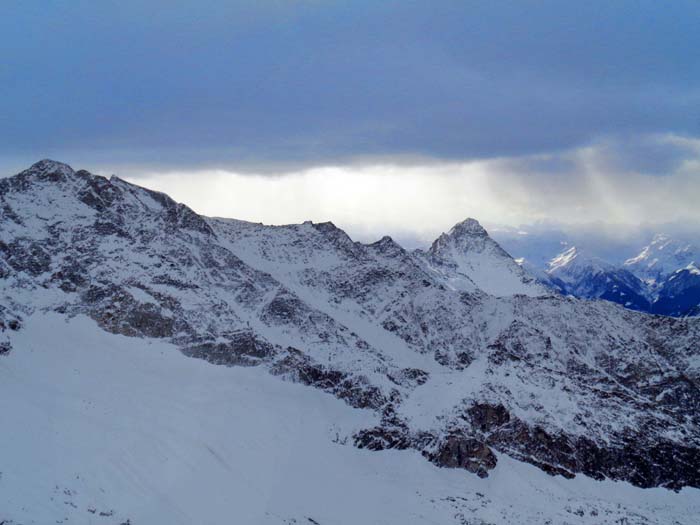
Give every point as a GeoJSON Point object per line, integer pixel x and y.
{"type": "Point", "coordinates": [96, 423]}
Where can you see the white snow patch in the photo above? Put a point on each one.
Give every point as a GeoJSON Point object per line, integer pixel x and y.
{"type": "Point", "coordinates": [105, 423]}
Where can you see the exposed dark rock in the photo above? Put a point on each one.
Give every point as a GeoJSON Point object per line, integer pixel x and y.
{"type": "Point", "coordinates": [242, 349]}
{"type": "Point", "coordinates": [98, 193]}
{"type": "Point", "coordinates": [6, 211]}
{"type": "Point", "coordinates": [410, 377]}
{"type": "Point", "coordinates": [356, 391]}
{"type": "Point", "coordinates": [283, 309]}
{"type": "Point", "coordinates": [69, 279]}
{"type": "Point", "coordinates": [393, 432]}
{"type": "Point", "coordinates": [382, 438]}
{"type": "Point", "coordinates": [24, 255]}
{"type": "Point", "coordinates": [109, 228]}
{"type": "Point", "coordinates": [485, 417]}
{"type": "Point", "coordinates": [175, 283]}
{"type": "Point", "coordinates": [140, 320]}
{"type": "Point", "coordinates": [8, 321]}
{"type": "Point", "coordinates": [117, 311]}
{"type": "Point", "coordinates": [179, 216]}
{"type": "Point", "coordinates": [629, 457]}
{"type": "Point", "coordinates": [460, 451]}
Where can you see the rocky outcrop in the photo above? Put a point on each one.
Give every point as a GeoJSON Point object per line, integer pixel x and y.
{"type": "Point", "coordinates": [356, 391]}
{"type": "Point", "coordinates": [460, 451]}
{"type": "Point", "coordinates": [243, 348]}
{"type": "Point", "coordinates": [9, 322]}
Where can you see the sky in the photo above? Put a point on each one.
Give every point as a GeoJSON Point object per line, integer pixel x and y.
{"type": "Point", "coordinates": [397, 117]}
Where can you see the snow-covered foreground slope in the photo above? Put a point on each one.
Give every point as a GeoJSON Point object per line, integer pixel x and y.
{"type": "Point", "coordinates": [101, 428]}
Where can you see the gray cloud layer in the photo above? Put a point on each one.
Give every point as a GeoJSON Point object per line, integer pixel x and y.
{"type": "Point", "coordinates": [250, 84]}
{"type": "Point", "coordinates": [597, 188]}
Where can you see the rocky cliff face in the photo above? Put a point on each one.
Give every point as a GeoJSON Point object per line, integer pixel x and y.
{"type": "Point", "coordinates": [462, 354]}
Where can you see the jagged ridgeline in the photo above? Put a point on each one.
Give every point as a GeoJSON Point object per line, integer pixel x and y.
{"type": "Point", "coordinates": [462, 353]}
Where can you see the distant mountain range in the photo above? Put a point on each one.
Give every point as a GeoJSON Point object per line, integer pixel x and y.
{"type": "Point", "coordinates": [662, 278]}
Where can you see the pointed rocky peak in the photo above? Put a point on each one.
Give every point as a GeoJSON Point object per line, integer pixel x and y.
{"type": "Point", "coordinates": [468, 227]}
{"type": "Point", "coordinates": [49, 170]}
{"type": "Point", "coordinates": [384, 241]}
{"type": "Point", "coordinates": [467, 258]}
{"type": "Point", "coordinates": [575, 260]}
{"type": "Point", "coordinates": [331, 235]}
{"type": "Point", "coordinates": [565, 259]}
{"type": "Point", "coordinates": [100, 194]}
{"type": "Point", "coordinates": [324, 227]}
{"type": "Point", "coordinates": [46, 172]}
{"type": "Point", "coordinates": [387, 246]}
{"type": "Point", "coordinates": [466, 236]}
{"type": "Point", "coordinates": [331, 230]}
{"type": "Point", "coordinates": [51, 166]}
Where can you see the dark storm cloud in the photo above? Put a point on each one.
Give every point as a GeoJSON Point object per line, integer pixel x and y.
{"type": "Point", "coordinates": [257, 83]}
{"type": "Point", "coordinates": [659, 155]}
{"type": "Point", "coordinates": [653, 155]}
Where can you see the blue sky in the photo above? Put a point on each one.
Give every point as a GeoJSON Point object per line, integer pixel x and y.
{"type": "Point", "coordinates": [277, 87]}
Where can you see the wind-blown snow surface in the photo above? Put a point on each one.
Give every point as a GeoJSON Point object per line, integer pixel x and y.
{"type": "Point", "coordinates": [102, 428]}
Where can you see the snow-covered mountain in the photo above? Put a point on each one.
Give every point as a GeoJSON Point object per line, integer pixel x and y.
{"type": "Point", "coordinates": [580, 275]}
{"type": "Point", "coordinates": [644, 282]}
{"type": "Point", "coordinates": [453, 357]}
{"type": "Point", "coordinates": [660, 258]}
{"type": "Point", "coordinates": [467, 259]}
{"type": "Point", "coordinates": [679, 294]}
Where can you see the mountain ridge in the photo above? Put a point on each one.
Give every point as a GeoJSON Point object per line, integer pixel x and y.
{"type": "Point", "coordinates": [456, 373]}
{"type": "Point", "coordinates": [644, 282]}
